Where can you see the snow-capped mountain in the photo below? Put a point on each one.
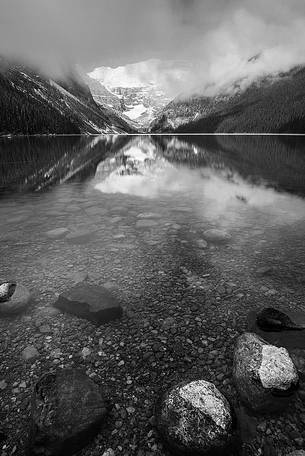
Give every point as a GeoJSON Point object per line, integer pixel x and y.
{"type": "Point", "coordinates": [136, 88]}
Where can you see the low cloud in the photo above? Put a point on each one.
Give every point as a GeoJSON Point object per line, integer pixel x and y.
{"type": "Point", "coordinates": [214, 38]}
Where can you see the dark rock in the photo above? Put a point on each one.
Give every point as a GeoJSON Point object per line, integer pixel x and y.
{"type": "Point", "coordinates": [67, 411]}
{"type": "Point", "coordinates": [290, 339]}
{"type": "Point", "coordinates": [195, 419]}
{"type": "Point", "coordinates": [264, 374]}
{"type": "Point", "coordinates": [265, 270]}
{"type": "Point", "coordinates": [217, 236]}
{"type": "Point", "coordinates": [91, 302]}
{"type": "Point", "coordinates": [18, 301]}
{"type": "Point", "coordinates": [271, 319]}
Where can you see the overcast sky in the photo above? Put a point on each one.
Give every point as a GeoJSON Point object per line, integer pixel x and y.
{"type": "Point", "coordinates": [219, 35]}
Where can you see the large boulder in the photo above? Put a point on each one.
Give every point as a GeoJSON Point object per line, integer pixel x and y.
{"type": "Point", "coordinates": [67, 411]}
{"type": "Point", "coordinates": [91, 302]}
{"type": "Point", "coordinates": [270, 319]}
{"type": "Point", "coordinates": [264, 375]}
{"type": "Point", "coordinates": [195, 419]}
{"type": "Point", "coordinates": [17, 302]}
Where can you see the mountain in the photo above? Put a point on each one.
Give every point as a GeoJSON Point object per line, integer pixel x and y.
{"type": "Point", "coordinates": [103, 96]}
{"type": "Point", "coordinates": [31, 103]}
{"type": "Point", "coordinates": [132, 87]}
{"type": "Point", "coordinates": [272, 104]}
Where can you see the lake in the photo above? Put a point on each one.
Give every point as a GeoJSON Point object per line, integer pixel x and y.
{"type": "Point", "coordinates": [137, 215]}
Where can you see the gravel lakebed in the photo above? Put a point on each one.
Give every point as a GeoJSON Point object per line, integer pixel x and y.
{"type": "Point", "coordinates": [185, 302]}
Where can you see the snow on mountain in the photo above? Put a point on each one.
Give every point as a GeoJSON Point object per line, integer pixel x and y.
{"type": "Point", "coordinates": [140, 87]}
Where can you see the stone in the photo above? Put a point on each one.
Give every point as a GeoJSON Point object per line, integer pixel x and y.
{"type": "Point", "coordinates": [18, 302]}
{"type": "Point", "coordinates": [80, 236]}
{"type": "Point", "coordinates": [29, 353]}
{"type": "Point", "coordinates": [264, 270]}
{"type": "Point", "coordinates": [57, 233]}
{"type": "Point", "coordinates": [146, 223]}
{"type": "Point", "coordinates": [68, 410]}
{"type": "Point", "coordinates": [78, 277]}
{"type": "Point", "coordinates": [270, 319]}
{"type": "Point", "coordinates": [96, 210]}
{"type": "Point", "coordinates": [3, 385]}
{"type": "Point", "coordinates": [148, 215]}
{"type": "Point", "coordinates": [202, 244]}
{"type": "Point", "coordinates": [109, 452]}
{"type": "Point", "coordinates": [7, 289]}
{"type": "Point", "coordinates": [91, 302]}
{"type": "Point", "coordinates": [168, 323]}
{"type": "Point", "coordinates": [265, 375]}
{"type": "Point", "coordinates": [195, 419]}
{"type": "Point", "coordinates": [216, 236]}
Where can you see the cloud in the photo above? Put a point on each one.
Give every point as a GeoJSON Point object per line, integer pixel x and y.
{"type": "Point", "coordinates": [215, 38]}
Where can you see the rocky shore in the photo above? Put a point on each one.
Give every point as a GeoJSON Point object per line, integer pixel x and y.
{"type": "Point", "coordinates": [185, 302]}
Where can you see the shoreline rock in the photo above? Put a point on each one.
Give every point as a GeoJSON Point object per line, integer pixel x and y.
{"type": "Point", "coordinates": [92, 302]}
{"type": "Point", "coordinates": [67, 412]}
{"type": "Point", "coordinates": [194, 418]}
{"type": "Point", "coordinates": [18, 302]}
{"type": "Point", "coordinates": [264, 375]}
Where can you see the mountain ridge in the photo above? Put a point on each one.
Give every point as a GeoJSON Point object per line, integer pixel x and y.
{"type": "Point", "coordinates": [268, 105]}
{"type": "Point", "coordinates": [31, 103]}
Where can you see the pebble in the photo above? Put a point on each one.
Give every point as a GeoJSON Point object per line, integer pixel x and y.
{"type": "Point", "coordinates": [3, 385]}
{"type": "Point", "coordinates": [29, 353]}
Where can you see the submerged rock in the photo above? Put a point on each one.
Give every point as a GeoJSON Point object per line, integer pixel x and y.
{"type": "Point", "coordinates": [80, 236]}
{"type": "Point", "coordinates": [29, 353]}
{"type": "Point", "coordinates": [19, 299]}
{"type": "Point", "coordinates": [264, 374]}
{"type": "Point", "coordinates": [91, 302]}
{"type": "Point", "coordinates": [146, 223]}
{"type": "Point", "coordinates": [216, 236]}
{"type": "Point", "coordinates": [57, 233]}
{"type": "Point", "coordinates": [67, 411]}
{"type": "Point", "coordinates": [202, 244]}
{"type": "Point", "coordinates": [148, 215]}
{"type": "Point", "coordinates": [195, 419]}
{"type": "Point", "coordinates": [271, 319]}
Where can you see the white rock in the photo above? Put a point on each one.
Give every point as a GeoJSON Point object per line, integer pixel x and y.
{"type": "Point", "coordinates": [276, 360]}
{"type": "Point", "coordinates": [195, 418]}
{"type": "Point", "coordinates": [109, 452]}
{"type": "Point", "coordinates": [260, 370]}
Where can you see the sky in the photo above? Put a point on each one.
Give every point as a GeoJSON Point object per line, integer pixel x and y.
{"type": "Point", "coordinates": [215, 38]}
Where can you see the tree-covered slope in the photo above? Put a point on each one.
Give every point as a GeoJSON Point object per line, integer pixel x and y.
{"type": "Point", "coordinates": [30, 103]}
{"type": "Point", "coordinates": [270, 105]}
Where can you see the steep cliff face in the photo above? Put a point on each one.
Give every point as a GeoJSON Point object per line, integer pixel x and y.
{"type": "Point", "coordinates": [31, 103]}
